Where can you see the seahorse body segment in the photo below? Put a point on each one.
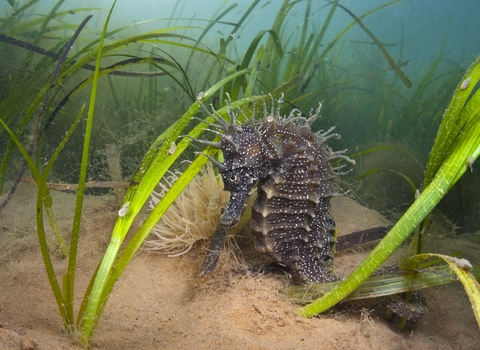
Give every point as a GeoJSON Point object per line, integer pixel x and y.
{"type": "Point", "coordinates": [290, 166]}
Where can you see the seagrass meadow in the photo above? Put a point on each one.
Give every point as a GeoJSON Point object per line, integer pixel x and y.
{"type": "Point", "coordinates": [107, 207]}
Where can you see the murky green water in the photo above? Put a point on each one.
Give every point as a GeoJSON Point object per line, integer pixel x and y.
{"type": "Point", "coordinates": [383, 71]}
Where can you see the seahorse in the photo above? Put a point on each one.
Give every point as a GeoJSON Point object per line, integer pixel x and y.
{"type": "Point", "coordinates": [290, 166]}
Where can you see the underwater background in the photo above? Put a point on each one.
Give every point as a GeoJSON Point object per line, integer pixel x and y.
{"type": "Point", "coordinates": [383, 71]}
{"type": "Point", "coordinates": [96, 98]}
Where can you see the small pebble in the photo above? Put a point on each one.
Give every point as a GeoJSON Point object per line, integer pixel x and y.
{"type": "Point", "coordinates": [28, 344]}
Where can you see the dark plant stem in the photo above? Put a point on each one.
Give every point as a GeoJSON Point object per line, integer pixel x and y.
{"type": "Point", "coordinates": [56, 56]}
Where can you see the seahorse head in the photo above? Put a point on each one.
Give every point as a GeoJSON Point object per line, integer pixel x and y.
{"type": "Point", "coordinates": [240, 170]}
{"type": "Point", "coordinates": [244, 162]}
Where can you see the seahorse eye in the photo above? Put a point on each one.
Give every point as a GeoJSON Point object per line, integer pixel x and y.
{"type": "Point", "coordinates": [233, 178]}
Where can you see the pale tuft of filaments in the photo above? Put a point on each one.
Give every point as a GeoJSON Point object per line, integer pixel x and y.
{"type": "Point", "coordinates": [193, 216]}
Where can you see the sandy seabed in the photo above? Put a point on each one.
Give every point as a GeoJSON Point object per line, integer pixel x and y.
{"type": "Point", "coordinates": [161, 302]}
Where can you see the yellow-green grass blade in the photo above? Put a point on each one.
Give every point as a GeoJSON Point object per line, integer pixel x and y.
{"type": "Point", "coordinates": [253, 76]}
{"type": "Point", "coordinates": [377, 286]}
{"type": "Point", "coordinates": [247, 58]}
{"type": "Point", "coordinates": [43, 196]}
{"type": "Point", "coordinates": [462, 269]}
{"type": "Point", "coordinates": [376, 170]}
{"type": "Point", "coordinates": [72, 261]}
{"type": "Point", "coordinates": [455, 118]}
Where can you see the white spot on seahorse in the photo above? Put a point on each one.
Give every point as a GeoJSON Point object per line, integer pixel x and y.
{"type": "Point", "coordinates": [200, 95]}
{"type": "Point", "coordinates": [173, 148]}
{"type": "Point", "coordinates": [269, 119]}
{"type": "Point", "coordinates": [124, 210]}
{"type": "Point", "coordinates": [465, 84]}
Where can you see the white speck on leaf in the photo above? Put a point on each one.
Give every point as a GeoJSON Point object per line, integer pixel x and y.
{"type": "Point", "coordinates": [417, 193]}
{"type": "Point", "coordinates": [464, 264]}
{"type": "Point", "coordinates": [173, 148]}
{"type": "Point", "coordinates": [124, 210]}
{"type": "Point", "coordinates": [470, 162]}
{"type": "Point", "coordinates": [465, 84]}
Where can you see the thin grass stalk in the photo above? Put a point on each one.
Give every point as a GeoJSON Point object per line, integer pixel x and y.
{"type": "Point", "coordinates": [172, 16]}
{"type": "Point", "coordinates": [382, 49]}
{"type": "Point", "coordinates": [337, 38]}
{"type": "Point", "coordinates": [240, 22]}
{"type": "Point", "coordinates": [72, 260]}
{"type": "Point", "coordinates": [45, 21]}
{"type": "Point", "coordinates": [271, 58]}
{"type": "Point", "coordinates": [253, 76]}
{"type": "Point", "coordinates": [247, 58]}
{"type": "Point", "coordinates": [46, 172]}
{"type": "Point", "coordinates": [376, 170]}
{"type": "Point", "coordinates": [416, 106]}
{"type": "Point", "coordinates": [23, 7]}
{"type": "Point", "coordinates": [207, 29]}
{"type": "Point", "coordinates": [318, 39]}
{"type": "Point", "coordinates": [152, 88]}
{"type": "Point", "coordinates": [24, 26]}
{"type": "Point", "coordinates": [43, 196]}
{"type": "Point", "coordinates": [303, 42]}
